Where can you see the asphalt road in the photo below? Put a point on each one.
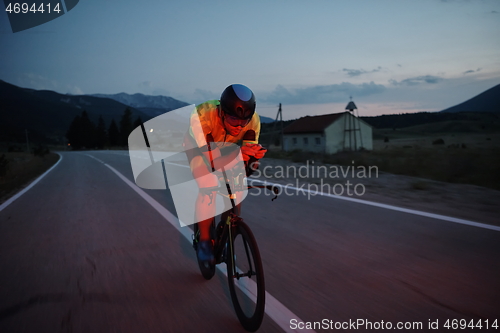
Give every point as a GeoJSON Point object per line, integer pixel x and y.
{"type": "Point", "coordinates": [81, 251]}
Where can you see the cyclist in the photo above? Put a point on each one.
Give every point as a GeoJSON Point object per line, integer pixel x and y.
{"type": "Point", "coordinates": [232, 119]}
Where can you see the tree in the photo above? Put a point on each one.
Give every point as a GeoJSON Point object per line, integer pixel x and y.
{"type": "Point", "coordinates": [88, 131]}
{"type": "Point", "coordinates": [101, 133]}
{"type": "Point", "coordinates": [125, 126]}
{"type": "Point", "coordinates": [73, 134]}
{"type": "Point", "coordinates": [82, 132]}
{"type": "Point", "coordinates": [113, 134]}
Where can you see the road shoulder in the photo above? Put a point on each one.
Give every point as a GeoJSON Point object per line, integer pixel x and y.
{"type": "Point", "coordinates": [462, 201]}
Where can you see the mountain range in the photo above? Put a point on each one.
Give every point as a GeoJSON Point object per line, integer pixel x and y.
{"type": "Point", "coordinates": [154, 105]}
{"type": "Point", "coordinates": [47, 114]}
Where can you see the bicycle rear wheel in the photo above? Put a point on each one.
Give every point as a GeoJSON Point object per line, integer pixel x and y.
{"type": "Point", "coordinates": [207, 270]}
{"type": "Point", "coordinates": [246, 278]}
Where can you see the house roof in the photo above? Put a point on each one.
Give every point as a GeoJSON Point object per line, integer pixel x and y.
{"type": "Point", "coordinates": [315, 124]}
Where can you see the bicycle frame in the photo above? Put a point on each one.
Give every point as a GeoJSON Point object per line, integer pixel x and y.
{"type": "Point", "coordinates": [229, 232]}
{"type": "Point", "coordinates": [232, 220]}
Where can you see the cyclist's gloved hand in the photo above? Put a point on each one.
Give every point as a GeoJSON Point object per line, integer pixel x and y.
{"type": "Point", "coordinates": [247, 151]}
{"type": "Point", "coordinates": [260, 152]}
{"type": "Point", "coordinates": [254, 150]}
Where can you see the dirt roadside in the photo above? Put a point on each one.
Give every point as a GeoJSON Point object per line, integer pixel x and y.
{"type": "Point", "coordinates": [21, 170]}
{"type": "Point", "coordinates": [469, 202]}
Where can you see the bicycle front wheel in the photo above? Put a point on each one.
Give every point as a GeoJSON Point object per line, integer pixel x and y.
{"type": "Point", "coordinates": [246, 277]}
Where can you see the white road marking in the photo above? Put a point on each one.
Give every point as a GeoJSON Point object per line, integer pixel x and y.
{"type": "Point", "coordinates": [380, 205]}
{"type": "Point", "coordinates": [26, 189]}
{"type": "Point", "coordinates": [274, 308]}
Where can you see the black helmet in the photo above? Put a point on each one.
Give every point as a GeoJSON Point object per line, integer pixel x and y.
{"type": "Point", "coordinates": [238, 100]}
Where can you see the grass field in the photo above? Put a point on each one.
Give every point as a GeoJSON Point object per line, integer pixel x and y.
{"type": "Point", "coordinates": [463, 157]}
{"type": "Point", "coordinates": [19, 169]}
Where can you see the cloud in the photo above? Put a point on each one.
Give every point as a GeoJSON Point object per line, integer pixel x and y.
{"type": "Point", "coordinates": [39, 82]}
{"type": "Point", "coordinates": [413, 81]}
{"type": "Point", "coordinates": [200, 96]}
{"type": "Point", "coordinates": [494, 12]}
{"type": "Point", "coordinates": [145, 84]}
{"type": "Point", "coordinates": [357, 72]}
{"type": "Point", "coordinates": [158, 92]}
{"type": "Point", "coordinates": [471, 71]}
{"type": "Point", "coordinates": [74, 90]}
{"type": "Point", "coordinates": [151, 88]}
{"type": "Point", "coordinates": [321, 94]}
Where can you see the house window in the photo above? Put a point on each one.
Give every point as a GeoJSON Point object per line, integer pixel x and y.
{"type": "Point", "coordinates": [306, 141]}
{"type": "Point", "coordinates": [294, 141]}
{"type": "Point", "coordinates": [318, 141]}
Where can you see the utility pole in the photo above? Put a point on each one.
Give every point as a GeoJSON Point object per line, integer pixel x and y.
{"type": "Point", "coordinates": [27, 141]}
{"type": "Point", "coordinates": [280, 115]}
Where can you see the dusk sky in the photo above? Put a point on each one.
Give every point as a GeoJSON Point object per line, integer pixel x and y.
{"type": "Point", "coordinates": [390, 56]}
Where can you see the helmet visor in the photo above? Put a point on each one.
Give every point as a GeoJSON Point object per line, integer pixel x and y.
{"type": "Point", "coordinates": [235, 121]}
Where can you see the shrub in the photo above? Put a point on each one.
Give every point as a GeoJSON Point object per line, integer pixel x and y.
{"type": "Point", "coordinates": [4, 165]}
{"type": "Point", "coordinates": [438, 142]}
{"type": "Point", "coordinates": [14, 149]}
{"type": "Point", "coordinates": [302, 156]}
{"type": "Point", "coordinates": [41, 151]}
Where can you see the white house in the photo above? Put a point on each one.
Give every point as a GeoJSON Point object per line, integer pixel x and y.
{"type": "Point", "coordinates": [330, 133]}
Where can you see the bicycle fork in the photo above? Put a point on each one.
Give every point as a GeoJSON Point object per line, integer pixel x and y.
{"type": "Point", "coordinates": [232, 222]}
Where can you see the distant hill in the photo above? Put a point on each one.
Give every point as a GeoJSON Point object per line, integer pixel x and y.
{"type": "Point", "coordinates": [487, 123]}
{"type": "Point", "coordinates": [488, 101]}
{"type": "Point", "coordinates": [49, 114]}
{"type": "Point", "coordinates": [485, 120]}
{"type": "Point", "coordinates": [483, 110]}
{"type": "Point", "coordinates": [95, 106]}
{"type": "Point", "coordinates": [420, 118]}
{"type": "Point", "coordinates": [266, 120]}
{"type": "Point", "coordinates": [154, 105]}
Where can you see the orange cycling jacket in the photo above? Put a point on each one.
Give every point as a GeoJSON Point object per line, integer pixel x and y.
{"type": "Point", "coordinates": [206, 121]}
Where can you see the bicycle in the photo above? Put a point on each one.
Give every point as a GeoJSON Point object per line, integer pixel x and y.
{"type": "Point", "coordinates": [235, 244]}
